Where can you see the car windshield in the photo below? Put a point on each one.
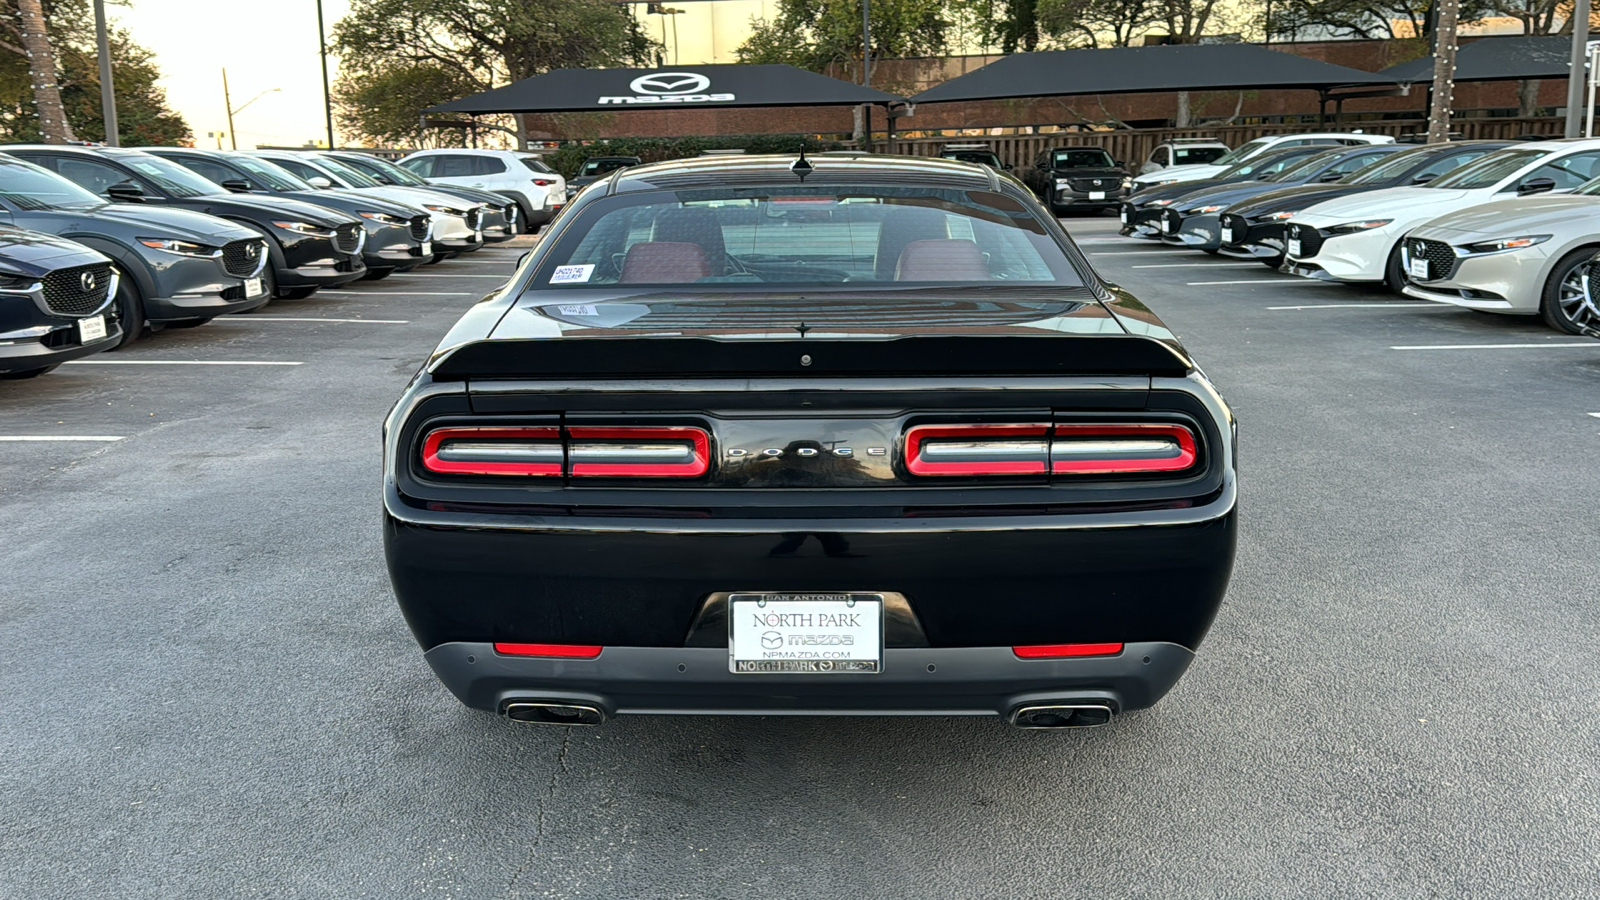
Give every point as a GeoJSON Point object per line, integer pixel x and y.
{"type": "Point", "coordinates": [27, 186]}
{"type": "Point", "coordinates": [1307, 166]}
{"type": "Point", "coordinates": [397, 174]}
{"type": "Point", "coordinates": [1193, 156]}
{"type": "Point", "coordinates": [170, 177]}
{"type": "Point", "coordinates": [1490, 170]}
{"type": "Point", "coordinates": [982, 157]}
{"type": "Point", "coordinates": [350, 175]}
{"type": "Point", "coordinates": [1088, 158]}
{"type": "Point", "coordinates": [806, 237]}
{"type": "Point", "coordinates": [602, 166]}
{"type": "Point", "coordinates": [1393, 166]}
{"type": "Point", "coordinates": [1243, 151]}
{"type": "Point", "coordinates": [1259, 167]}
{"type": "Point", "coordinates": [273, 176]}
{"type": "Point", "coordinates": [533, 162]}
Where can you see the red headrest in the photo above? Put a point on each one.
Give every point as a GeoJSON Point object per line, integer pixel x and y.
{"type": "Point", "coordinates": [664, 262]}
{"type": "Point", "coordinates": [941, 260]}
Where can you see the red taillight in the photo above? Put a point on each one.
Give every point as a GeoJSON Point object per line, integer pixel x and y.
{"type": "Point", "coordinates": [978, 449]}
{"type": "Point", "coordinates": [565, 651]}
{"type": "Point", "coordinates": [649, 451]}
{"type": "Point", "coordinates": [1060, 651]}
{"type": "Point", "coordinates": [543, 182]}
{"type": "Point", "coordinates": [493, 450]}
{"type": "Point", "coordinates": [1121, 449]}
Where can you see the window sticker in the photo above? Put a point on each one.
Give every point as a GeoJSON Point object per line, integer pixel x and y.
{"type": "Point", "coordinates": [572, 274]}
{"type": "Point", "coordinates": [579, 310]}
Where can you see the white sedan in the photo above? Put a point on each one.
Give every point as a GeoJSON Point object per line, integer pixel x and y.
{"type": "Point", "coordinates": [1252, 149]}
{"type": "Point", "coordinates": [1358, 238]}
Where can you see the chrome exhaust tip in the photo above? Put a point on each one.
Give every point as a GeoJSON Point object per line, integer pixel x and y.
{"type": "Point", "coordinates": [1066, 715]}
{"type": "Point", "coordinates": [553, 712]}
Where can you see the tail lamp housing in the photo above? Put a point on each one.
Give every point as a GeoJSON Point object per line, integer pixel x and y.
{"type": "Point", "coordinates": [643, 451]}
{"type": "Point", "coordinates": [1039, 448]}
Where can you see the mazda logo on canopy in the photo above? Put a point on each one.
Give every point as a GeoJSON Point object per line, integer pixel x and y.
{"type": "Point", "coordinates": [668, 87]}
{"type": "Point", "coordinates": [670, 83]}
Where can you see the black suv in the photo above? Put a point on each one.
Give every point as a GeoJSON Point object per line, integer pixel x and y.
{"type": "Point", "coordinates": [55, 299]}
{"type": "Point", "coordinates": [310, 246]}
{"type": "Point", "coordinates": [399, 235]}
{"type": "Point", "coordinates": [1075, 178]}
{"type": "Point", "coordinates": [174, 267]}
{"type": "Point", "coordinates": [597, 167]}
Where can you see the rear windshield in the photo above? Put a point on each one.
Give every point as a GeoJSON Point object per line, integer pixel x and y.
{"type": "Point", "coordinates": [602, 166]}
{"type": "Point", "coordinates": [801, 236]}
{"type": "Point", "coordinates": [1090, 158]}
{"type": "Point", "coordinates": [1194, 156]}
{"type": "Point", "coordinates": [533, 163]}
{"type": "Point", "coordinates": [982, 157]}
{"type": "Point", "coordinates": [1490, 170]}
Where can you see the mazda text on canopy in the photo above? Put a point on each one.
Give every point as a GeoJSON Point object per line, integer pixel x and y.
{"type": "Point", "coordinates": [836, 436]}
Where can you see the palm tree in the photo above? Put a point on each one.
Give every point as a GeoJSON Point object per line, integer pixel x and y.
{"type": "Point", "coordinates": [42, 72]}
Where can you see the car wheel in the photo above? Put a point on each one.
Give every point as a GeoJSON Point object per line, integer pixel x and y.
{"type": "Point", "coordinates": [128, 308]}
{"type": "Point", "coordinates": [377, 274]}
{"type": "Point", "coordinates": [27, 373]}
{"type": "Point", "coordinates": [1394, 273]}
{"type": "Point", "coordinates": [525, 220]}
{"type": "Point", "coordinates": [1569, 303]}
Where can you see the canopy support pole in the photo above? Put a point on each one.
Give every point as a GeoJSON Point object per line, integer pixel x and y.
{"type": "Point", "coordinates": [888, 116]}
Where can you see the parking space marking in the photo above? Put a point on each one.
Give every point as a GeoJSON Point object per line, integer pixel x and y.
{"type": "Point", "coordinates": [398, 293]}
{"type": "Point", "coordinates": [1198, 265]}
{"type": "Point", "coordinates": [441, 275]}
{"type": "Point", "coordinates": [180, 362]}
{"type": "Point", "coordinates": [1596, 415]}
{"type": "Point", "coordinates": [1131, 252]}
{"type": "Point", "coordinates": [1396, 305]}
{"type": "Point", "coordinates": [310, 319]}
{"type": "Point", "coordinates": [1590, 344]}
{"type": "Point", "coordinates": [52, 438]}
{"type": "Point", "coordinates": [1256, 281]}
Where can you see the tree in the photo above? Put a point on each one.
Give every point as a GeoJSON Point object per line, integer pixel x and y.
{"type": "Point", "coordinates": [33, 43]}
{"type": "Point", "coordinates": [1097, 23]}
{"type": "Point", "coordinates": [1367, 19]}
{"type": "Point", "coordinates": [816, 34]}
{"type": "Point", "coordinates": [430, 51]}
{"type": "Point", "coordinates": [1539, 17]}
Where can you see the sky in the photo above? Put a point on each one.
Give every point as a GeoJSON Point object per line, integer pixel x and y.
{"type": "Point", "coordinates": [266, 45]}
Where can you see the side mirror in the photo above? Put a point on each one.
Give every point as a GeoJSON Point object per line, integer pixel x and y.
{"type": "Point", "coordinates": [1330, 177]}
{"type": "Point", "coordinates": [1536, 186]}
{"type": "Point", "coordinates": [131, 192]}
{"type": "Point", "coordinates": [319, 182]}
{"type": "Point", "coordinates": [237, 185]}
{"type": "Point", "coordinates": [1425, 177]}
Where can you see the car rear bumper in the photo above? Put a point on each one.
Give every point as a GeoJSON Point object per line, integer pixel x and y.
{"type": "Point", "coordinates": [946, 681]}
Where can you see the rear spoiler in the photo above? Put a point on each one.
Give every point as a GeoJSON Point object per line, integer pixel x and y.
{"type": "Point", "coordinates": [907, 356]}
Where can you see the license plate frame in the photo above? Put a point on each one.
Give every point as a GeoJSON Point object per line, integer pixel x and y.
{"type": "Point", "coordinates": [1417, 269]}
{"type": "Point", "coordinates": [253, 287]}
{"type": "Point", "coordinates": [426, 249]}
{"type": "Point", "coordinates": [780, 633]}
{"type": "Point", "coordinates": [1166, 225]}
{"type": "Point", "coordinates": [1294, 247]}
{"type": "Point", "coordinates": [1123, 214]}
{"type": "Point", "coordinates": [1227, 234]}
{"type": "Point", "coordinates": [1097, 195]}
{"type": "Point", "coordinates": [92, 328]}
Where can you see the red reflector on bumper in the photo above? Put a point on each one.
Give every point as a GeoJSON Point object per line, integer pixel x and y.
{"type": "Point", "coordinates": [570, 651]}
{"type": "Point", "coordinates": [1056, 651]}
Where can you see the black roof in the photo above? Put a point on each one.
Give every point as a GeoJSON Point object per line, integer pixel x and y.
{"type": "Point", "coordinates": [1497, 59]}
{"type": "Point", "coordinates": [688, 87]}
{"type": "Point", "coordinates": [1131, 70]}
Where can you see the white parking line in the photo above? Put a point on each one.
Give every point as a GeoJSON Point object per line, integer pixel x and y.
{"type": "Point", "coordinates": [1396, 305]}
{"type": "Point", "coordinates": [30, 438]}
{"type": "Point", "coordinates": [1596, 415]}
{"type": "Point", "coordinates": [1199, 265]}
{"type": "Point", "coordinates": [179, 362]}
{"type": "Point", "coordinates": [1131, 252]}
{"type": "Point", "coordinates": [1256, 281]}
{"type": "Point", "coordinates": [441, 275]}
{"type": "Point", "coordinates": [1590, 344]}
{"type": "Point", "coordinates": [398, 293]}
{"type": "Point", "coordinates": [310, 319]}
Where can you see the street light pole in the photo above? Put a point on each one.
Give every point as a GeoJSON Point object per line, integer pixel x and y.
{"type": "Point", "coordinates": [108, 87]}
{"type": "Point", "coordinates": [1575, 75]}
{"type": "Point", "coordinates": [327, 102]}
{"type": "Point", "coordinates": [228, 102]}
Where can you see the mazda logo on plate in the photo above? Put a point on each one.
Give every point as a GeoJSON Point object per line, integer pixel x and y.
{"type": "Point", "coordinates": [670, 83]}
{"type": "Point", "coordinates": [771, 640]}
{"type": "Point", "coordinates": [87, 282]}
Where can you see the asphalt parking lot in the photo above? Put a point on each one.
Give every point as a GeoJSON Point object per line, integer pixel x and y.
{"type": "Point", "coordinates": [208, 691]}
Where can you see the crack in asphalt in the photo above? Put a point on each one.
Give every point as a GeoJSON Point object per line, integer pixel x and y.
{"type": "Point", "coordinates": [544, 803]}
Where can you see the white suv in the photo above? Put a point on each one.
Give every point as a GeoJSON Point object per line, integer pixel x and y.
{"type": "Point", "coordinates": [523, 177]}
{"type": "Point", "coordinates": [1251, 149]}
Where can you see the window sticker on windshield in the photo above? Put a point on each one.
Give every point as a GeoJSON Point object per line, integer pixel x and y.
{"type": "Point", "coordinates": [572, 274]}
{"type": "Point", "coordinates": [579, 310]}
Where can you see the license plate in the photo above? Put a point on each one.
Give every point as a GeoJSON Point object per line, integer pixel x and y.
{"type": "Point", "coordinates": [1294, 246]}
{"type": "Point", "coordinates": [252, 287]}
{"type": "Point", "coordinates": [1124, 215]}
{"type": "Point", "coordinates": [1166, 226]}
{"type": "Point", "coordinates": [1227, 235]}
{"type": "Point", "coordinates": [1419, 269]}
{"type": "Point", "coordinates": [1097, 195]}
{"type": "Point", "coordinates": [426, 249]}
{"type": "Point", "coordinates": [91, 329]}
{"type": "Point", "coordinates": [810, 634]}
{"type": "Point", "coordinates": [478, 235]}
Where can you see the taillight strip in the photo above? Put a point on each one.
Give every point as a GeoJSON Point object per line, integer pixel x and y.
{"type": "Point", "coordinates": [1010, 449]}
{"type": "Point", "coordinates": [1121, 449]}
{"type": "Point", "coordinates": [658, 451]}
{"type": "Point", "coordinates": [494, 450]}
{"type": "Point", "coordinates": [565, 651]}
{"type": "Point", "coordinates": [1062, 651]}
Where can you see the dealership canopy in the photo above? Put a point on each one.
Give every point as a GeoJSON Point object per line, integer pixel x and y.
{"type": "Point", "coordinates": [698, 87]}
{"type": "Point", "coordinates": [1132, 70]}
{"type": "Point", "coordinates": [1497, 59]}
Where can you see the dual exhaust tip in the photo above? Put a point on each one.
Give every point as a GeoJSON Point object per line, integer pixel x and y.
{"type": "Point", "coordinates": [1087, 714]}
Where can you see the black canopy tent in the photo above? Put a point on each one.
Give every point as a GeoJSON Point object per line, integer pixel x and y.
{"type": "Point", "coordinates": [1497, 59]}
{"type": "Point", "coordinates": [689, 87]}
{"type": "Point", "coordinates": [1133, 70]}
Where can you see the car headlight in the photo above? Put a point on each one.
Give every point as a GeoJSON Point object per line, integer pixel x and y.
{"type": "Point", "coordinates": [1062, 182]}
{"type": "Point", "coordinates": [1160, 203]}
{"type": "Point", "coordinates": [181, 247]}
{"type": "Point", "coordinates": [1357, 227]}
{"type": "Point", "coordinates": [305, 228]}
{"type": "Point", "coordinates": [16, 284]}
{"type": "Point", "coordinates": [449, 211]}
{"type": "Point", "coordinates": [1212, 209]}
{"type": "Point", "coordinates": [383, 218]}
{"type": "Point", "coordinates": [1516, 243]}
{"type": "Point", "coordinates": [1280, 216]}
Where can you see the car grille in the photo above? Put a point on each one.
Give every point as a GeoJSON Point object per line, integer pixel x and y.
{"type": "Point", "coordinates": [1441, 257]}
{"type": "Point", "coordinates": [347, 238]}
{"type": "Point", "coordinates": [1240, 226]}
{"type": "Point", "coordinates": [1310, 240]}
{"type": "Point", "coordinates": [242, 258]}
{"type": "Point", "coordinates": [475, 218]}
{"type": "Point", "coordinates": [66, 293]}
{"type": "Point", "coordinates": [421, 227]}
{"type": "Point", "coordinates": [1095, 184]}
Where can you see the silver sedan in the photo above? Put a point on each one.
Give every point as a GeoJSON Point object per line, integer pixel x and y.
{"type": "Point", "coordinates": [1521, 256]}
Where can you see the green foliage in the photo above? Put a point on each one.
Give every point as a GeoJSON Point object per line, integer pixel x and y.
{"type": "Point", "coordinates": [569, 159]}
{"type": "Point", "coordinates": [143, 116]}
{"type": "Point", "coordinates": [1367, 19]}
{"type": "Point", "coordinates": [385, 107]}
{"type": "Point", "coordinates": [816, 34]}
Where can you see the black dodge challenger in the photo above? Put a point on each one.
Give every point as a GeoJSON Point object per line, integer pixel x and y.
{"type": "Point", "coordinates": [844, 436]}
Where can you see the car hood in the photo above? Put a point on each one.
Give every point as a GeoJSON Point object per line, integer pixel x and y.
{"type": "Point", "coordinates": [476, 195]}
{"type": "Point", "coordinates": [1188, 172]}
{"type": "Point", "coordinates": [625, 313]}
{"type": "Point", "coordinates": [355, 201]}
{"type": "Point", "coordinates": [418, 196]}
{"type": "Point", "coordinates": [33, 253]}
{"type": "Point", "coordinates": [264, 207]}
{"type": "Point", "coordinates": [1088, 173]}
{"type": "Point", "coordinates": [1295, 198]}
{"type": "Point", "coordinates": [1224, 194]}
{"type": "Point", "coordinates": [1521, 215]}
{"type": "Point", "coordinates": [144, 220]}
{"type": "Point", "coordinates": [1408, 202]}
{"type": "Point", "coordinates": [1174, 191]}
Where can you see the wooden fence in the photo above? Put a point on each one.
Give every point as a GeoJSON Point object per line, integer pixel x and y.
{"type": "Point", "coordinates": [1134, 146]}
